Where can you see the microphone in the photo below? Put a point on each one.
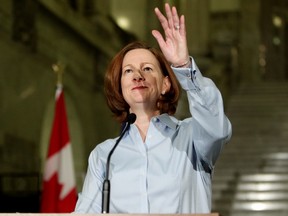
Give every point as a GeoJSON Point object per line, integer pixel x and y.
{"type": "Point", "coordinates": [131, 118]}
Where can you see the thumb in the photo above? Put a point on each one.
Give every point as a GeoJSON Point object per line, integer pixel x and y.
{"type": "Point", "coordinates": [157, 35]}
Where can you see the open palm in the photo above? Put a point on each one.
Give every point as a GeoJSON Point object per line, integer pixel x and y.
{"type": "Point", "coordinates": [174, 45]}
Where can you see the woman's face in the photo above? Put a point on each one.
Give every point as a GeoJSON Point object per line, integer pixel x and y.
{"type": "Point", "coordinates": [142, 81]}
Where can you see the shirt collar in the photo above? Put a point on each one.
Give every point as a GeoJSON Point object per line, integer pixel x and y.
{"type": "Point", "coordinates": [167, 120]}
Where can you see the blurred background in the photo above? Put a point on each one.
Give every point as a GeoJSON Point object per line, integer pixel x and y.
{"type": "Point", "coordinates": [241, 44]}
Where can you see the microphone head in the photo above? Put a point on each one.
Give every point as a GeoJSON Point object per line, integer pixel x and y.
{"type": "Point", "coordinates": [131, 118]}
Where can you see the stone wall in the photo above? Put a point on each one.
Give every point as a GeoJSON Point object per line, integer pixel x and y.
{"type": "Point", "coordinates": [28, 83]}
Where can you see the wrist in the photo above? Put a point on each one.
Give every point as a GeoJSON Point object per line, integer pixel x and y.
{"type": "Point", "coordinates": [182, 65]}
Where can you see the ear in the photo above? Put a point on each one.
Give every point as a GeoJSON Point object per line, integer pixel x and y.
{"type": "Point", "coordinates": [166, 85]}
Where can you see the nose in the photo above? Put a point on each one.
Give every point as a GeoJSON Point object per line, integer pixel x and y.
{"type": "Point", "coordinates": [138, 76]}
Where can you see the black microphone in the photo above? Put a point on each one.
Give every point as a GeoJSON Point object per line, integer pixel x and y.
{"type": "Point", "coordinates": [131, 118]}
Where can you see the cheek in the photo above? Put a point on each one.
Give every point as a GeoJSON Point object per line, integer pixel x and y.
{"type": "Point", "coordinates": [123, 84]}
{"type": "Point", "coordinates": [125, 80]}
{"type": "Point", "coordinates": [160, 85]}
{"type": "Point", "coordinates": [124, 87]}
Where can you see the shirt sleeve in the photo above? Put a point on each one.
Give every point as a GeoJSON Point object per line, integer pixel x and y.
{"type": "Point", "coordinates": [89, 200]}
{"type": "Point", "coordinates": [211, 129]}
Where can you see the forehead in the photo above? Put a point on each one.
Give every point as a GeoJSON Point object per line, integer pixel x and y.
{"type": "Point", "coordinates": [139, 55]}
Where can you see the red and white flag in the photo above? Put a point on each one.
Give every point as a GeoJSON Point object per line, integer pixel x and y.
{"type": "Point", "coordinates": [59, 193]}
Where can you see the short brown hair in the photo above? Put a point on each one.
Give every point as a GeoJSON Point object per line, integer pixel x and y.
{"type": "Point", "coordinates": [112, 84]}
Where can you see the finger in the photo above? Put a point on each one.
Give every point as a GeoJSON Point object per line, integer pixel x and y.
{"type": "Point", "coordinates": [169, 16]}
{"type": "Point", "coordinates": [182, 25]}
{"type": "Point", "coordinates": [175, 17]}
{"type": "Point", "coordinates": [162, 19]}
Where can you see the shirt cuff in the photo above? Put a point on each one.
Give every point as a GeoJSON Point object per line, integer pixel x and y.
{"type": "Point", "coordinates": [190, 78]}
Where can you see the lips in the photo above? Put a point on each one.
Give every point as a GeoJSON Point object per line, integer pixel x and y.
{"type": "Point", "coordinates": [139, 87]}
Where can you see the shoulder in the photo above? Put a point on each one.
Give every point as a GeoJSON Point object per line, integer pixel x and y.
{"type": "Point", "coordinates": [102, 149]}
{"type": "Point", "coordinates": [174, 123]}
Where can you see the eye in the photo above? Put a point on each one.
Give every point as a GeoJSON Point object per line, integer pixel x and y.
{"type": "Point", "coordinates": [129, 70]}
{"type": "Point", "coordinates": [147, 69]}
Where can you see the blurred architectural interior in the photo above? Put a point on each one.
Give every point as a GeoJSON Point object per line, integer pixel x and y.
{"type": "Point", "coordinates": [241, 44]}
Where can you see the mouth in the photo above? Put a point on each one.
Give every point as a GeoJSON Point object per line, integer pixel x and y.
{"type": "Point", "coordinates": [139, 87]}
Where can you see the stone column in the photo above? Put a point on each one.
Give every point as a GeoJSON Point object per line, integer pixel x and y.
{"type": "Point", "coordinates": [197, 23]}
{"type": "Point", "coordinates": [249, 40]}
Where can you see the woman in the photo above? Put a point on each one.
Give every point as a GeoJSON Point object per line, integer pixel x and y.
{"type": "Point", "coordinates": [161, 165]}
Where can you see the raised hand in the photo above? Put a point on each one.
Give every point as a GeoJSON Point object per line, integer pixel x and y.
{"type": "Point", "coordinates": [174, 44]}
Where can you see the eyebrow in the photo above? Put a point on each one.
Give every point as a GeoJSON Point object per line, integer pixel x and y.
{"type": "Point", "coordinates": [143, 63]}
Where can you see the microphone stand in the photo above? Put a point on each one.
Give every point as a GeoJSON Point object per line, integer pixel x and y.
{"type": "Point", "coordinates": [106, 184]}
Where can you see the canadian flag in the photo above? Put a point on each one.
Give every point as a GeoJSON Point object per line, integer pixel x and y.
{"type": "Point", "coordinates": [59, 193]}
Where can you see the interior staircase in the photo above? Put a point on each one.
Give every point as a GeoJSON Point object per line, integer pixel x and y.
{"type": "Point", "coordinates": [251, 175]}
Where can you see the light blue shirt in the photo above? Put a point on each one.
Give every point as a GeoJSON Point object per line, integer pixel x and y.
{"type": "Point", "coordinates": [171, 171]}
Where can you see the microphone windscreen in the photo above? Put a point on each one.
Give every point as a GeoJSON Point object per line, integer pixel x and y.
{"type": "Point", "coordinates": [131, 118]}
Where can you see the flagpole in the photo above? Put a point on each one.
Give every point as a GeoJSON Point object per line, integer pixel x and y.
{"type": "Point", "coordinates": [59, 69]}
{"type": "Point", "coordinates": [59, 194]}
